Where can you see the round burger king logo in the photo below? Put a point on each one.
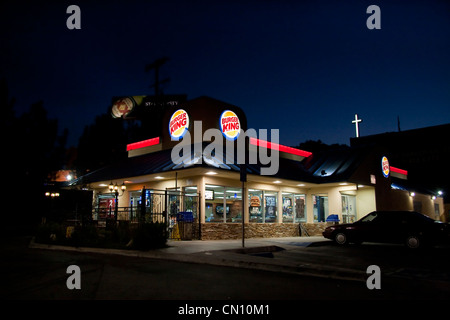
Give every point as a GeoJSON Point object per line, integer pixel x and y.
{"type": "Point", "coordinates": [122, 107]}
{"type": "Point", "coordinates": [385, 166]}
{"type": "Point", "coordinates": [178, 124]}
{"type": "Point", "coordinates": [230, 125]}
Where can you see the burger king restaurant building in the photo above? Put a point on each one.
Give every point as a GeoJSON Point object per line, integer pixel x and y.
{"type": "Point", "coordinates": [277, 190]}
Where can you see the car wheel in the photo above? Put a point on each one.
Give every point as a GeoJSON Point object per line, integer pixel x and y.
{"type": "Point", "coordinates": [413, 242]}
{"type": "Point", "coordinates": [341, 238]}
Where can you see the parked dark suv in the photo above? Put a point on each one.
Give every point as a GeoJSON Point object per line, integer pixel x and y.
{"type": "Point", "coordinates": [409, 227]}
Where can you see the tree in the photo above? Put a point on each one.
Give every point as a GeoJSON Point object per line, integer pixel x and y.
{"type": "Point", "coordinates": [102, 143]}
{"type": "Point", "coordinates": [33, 150]}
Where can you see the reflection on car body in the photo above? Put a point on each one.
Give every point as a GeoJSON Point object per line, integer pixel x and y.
{"type": "Point", "coordinates": [409, 227]}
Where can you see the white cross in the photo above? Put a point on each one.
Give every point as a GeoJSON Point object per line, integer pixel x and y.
{"type": "Point", "coordinates": [356, 122]}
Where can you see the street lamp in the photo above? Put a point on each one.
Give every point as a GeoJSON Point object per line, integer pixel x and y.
{"type": "Point", "coordinates": [115, 189]}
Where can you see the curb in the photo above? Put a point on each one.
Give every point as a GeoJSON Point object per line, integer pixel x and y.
{"type": "Point", "coordinates": [227, 258]}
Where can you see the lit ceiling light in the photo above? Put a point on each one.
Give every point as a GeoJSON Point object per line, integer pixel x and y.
{"type": "Point", "coordinates": [412, 194]}
{"type": "Point", "coordinates": [159, 177]}
{"type": "Point", "coordinates": [211, 173]}
{"type": "Point", "coordinates": [301, 185]}
{"type": "Point", "coordinates": [277, 181]}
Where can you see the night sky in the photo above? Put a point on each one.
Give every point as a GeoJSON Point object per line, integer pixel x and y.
{"type": "Point", "coordinates": [304, 67]}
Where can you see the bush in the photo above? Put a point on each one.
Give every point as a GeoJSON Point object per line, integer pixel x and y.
{"type": "Point", "coordinates": [49, 233]}
{"type": "Point", "coordinates": [85, 236]}
{"type": "Point", "coordinates": [150, 236]}
{"type": "Point", "coordinates": [146, 236]}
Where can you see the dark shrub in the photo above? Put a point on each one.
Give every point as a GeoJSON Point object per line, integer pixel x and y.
{"type": "Point", "coordinates": [50, 232]}
{"type": "Point", "coordinates": [150, 236]}
{"type": "Point", "coordinates": [84, 236]}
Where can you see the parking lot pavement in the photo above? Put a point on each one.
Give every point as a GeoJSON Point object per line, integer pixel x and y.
{"type": "Point", "coordinates": [317, 256]}
{"type": "Point", "coordinates": [404, 273]}
{"type": "Point", "coordinates": [211, 245]}
{"type": "Point", "coordinates": [310, 256]}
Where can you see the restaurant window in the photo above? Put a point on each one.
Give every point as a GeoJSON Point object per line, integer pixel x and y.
{"type": "Point", "coordinates": [294, 208]}
{"type": "Point", "coordinates": [233, 199]}
{"type": "Point", "coordinates": [223, 204]}
{"type": "Point", "coordinates": [135, 200]}
{"type": "Point", "coordinates": [214, 204]}
{"type": "Point", "coordinates": [299, 208]}
{"type": "Point", "coordinates": [190, 200]}
{"type": "Point", "coordinates": [320, 209]}
{"type": "Point", "coordinates": [174, 197]}
{"type": "Point", "coordinates": [437, 212]}
{"type": "Point", "coordinates": [255, 211]}
{"type": "Point", "coordinates": [106, 204]}
{"type": "Point", "coordinates": [262, 206]}
{"type": "Point", "coordinates": [288, 207]}
{"type": "Point", "coordinates": [270, 208]}
{"type": "Point", "coordinates": [417, 205]}
{"type": "Point", "coordinates": [348, 208]}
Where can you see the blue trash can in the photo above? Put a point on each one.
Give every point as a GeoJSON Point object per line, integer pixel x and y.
{"type": "Point", "coordinates": [333, 218]}
{"type": "Point", "coordinates": [185, 217]}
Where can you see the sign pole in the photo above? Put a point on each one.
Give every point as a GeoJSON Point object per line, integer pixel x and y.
{"type": "Point", "coordinates": [243, 214]}
{"type": "Point", "coordinates": [243, 178]}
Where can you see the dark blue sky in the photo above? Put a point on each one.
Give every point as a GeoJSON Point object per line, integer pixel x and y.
{"type": "Point", "coordinates": [304, 67]}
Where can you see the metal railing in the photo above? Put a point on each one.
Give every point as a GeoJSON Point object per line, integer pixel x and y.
{"type": "Point", "coordinates": [132, 214]}
{"type": "Point", "coordinates": [163, 206]}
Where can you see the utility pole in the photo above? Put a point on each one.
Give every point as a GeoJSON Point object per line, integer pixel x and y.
{"type": "Point", "coordinates": [156, 65]}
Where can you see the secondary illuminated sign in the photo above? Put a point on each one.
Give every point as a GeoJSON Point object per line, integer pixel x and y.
{"type": "Point", "coordinates": [178, 124]}
{"type": "Point", "coordinates": [122, 107]}
{"type": "Point", "coordinates": [385, 167]}
{"type": "Point", "coordinates": [230, 125]}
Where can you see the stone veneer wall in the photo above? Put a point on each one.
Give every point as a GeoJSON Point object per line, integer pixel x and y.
{"type": "Point", "coordinates": [315, 229]}
{"type": "Point", "coordinates": [226, 231]}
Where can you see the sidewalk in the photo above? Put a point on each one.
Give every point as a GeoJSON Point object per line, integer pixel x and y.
{"type": "Point", "coordinates": [268, 254]}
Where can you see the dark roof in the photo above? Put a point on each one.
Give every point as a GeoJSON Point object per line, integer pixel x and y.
{"type": "Point", "coordinates": [408, 185]}
{"type": "Point", "coordinates": [324, 167]}
{"type": "Point", "coordinates": [335, 164]}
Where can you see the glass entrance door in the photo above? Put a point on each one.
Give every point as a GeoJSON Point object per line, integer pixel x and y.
{"type": "Point", "coordinates": [320, 208]}
{"type": "Point", "coordinates": [348, 208]}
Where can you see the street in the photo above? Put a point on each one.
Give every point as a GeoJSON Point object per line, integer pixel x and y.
{"type": "Point", "coordinates": [42, 274]}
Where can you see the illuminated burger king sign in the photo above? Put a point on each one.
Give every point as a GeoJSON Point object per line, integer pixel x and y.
{"type": "Point", "coordinates": [230, 125]}
{"type": "Point", "coordinates": [178, 124]}
{"type": "Point", "coordinates": [385, 166]}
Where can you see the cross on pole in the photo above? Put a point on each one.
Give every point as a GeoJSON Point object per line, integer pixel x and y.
{"type": "Point", "coordinates": [356, 122]}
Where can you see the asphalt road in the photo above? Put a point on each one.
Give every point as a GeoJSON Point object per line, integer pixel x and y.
{"type": "Point", "coordinates": [41, 274]}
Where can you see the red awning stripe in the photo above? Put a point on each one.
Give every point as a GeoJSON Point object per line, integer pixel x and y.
{"type": "Point", "coordinates": [143, 144]}
{"type": "Point", "coordinates": [279, 147]}
{"type": "Point", "coordinates": [401, 171]}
